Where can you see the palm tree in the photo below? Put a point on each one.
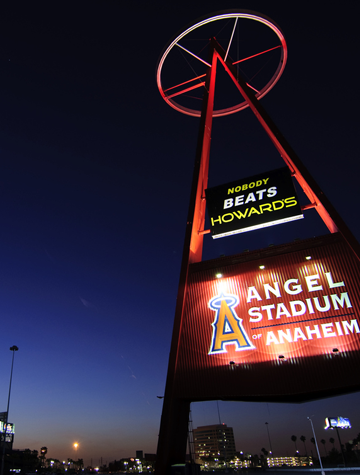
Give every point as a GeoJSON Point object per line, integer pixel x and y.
{"type": "Point", "coordinates": [332, 441]}
{"type": "Point", "coordinates": [294, 439]}
{"type": "Point", "coordinates": [303, 438]}
{"type": "Point", "coordinates": [323, 441]}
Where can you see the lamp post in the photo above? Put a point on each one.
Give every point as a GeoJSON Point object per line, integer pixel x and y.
{"type": "Point", "coordinates": [316, 445]}
{"type": "Point", "coordinates": [76, 446]}
{"type": "Point", "coordinates": [267, 428]}
{"type": "Point", "coordinates": [13, 349]}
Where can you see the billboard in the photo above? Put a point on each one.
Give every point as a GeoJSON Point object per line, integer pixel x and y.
{"type": "Point", "coordinates": [337, 422]}
{"type": "Point", "coordinates": [280, 321]}
{"type": "Point", "coordinates": [10, 427]}
{"type": "Point", "coordinates": [256, 202]}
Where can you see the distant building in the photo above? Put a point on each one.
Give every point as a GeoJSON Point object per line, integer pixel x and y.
{"type": "Point", "coordinates": [289, 461]}
{"type": "Point", "coordinates": [214, 442]}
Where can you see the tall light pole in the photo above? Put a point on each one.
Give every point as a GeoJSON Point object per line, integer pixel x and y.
{"type": "Point", "coordinates": [13, 349]}
{"type": "Point", "coordinates": [76, 445]}
{"type": "Point", "coordinates": [317, 448]}
{"type": "Point", "coordinates": [267, 428]}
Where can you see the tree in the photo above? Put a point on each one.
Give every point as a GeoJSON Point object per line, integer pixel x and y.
{"type": "Point", "coordinates": [264, 451]}
{"type": "Point", "coordinates": [323, 441]}
{"type": "Point", "coordinates": [303, 438]}
{"type": "Point", "coordinates": [42, 457]}
{"type": "Point", "coordinates": [294, 439]}
{"type": "Point", "coordinates": [332, 441]}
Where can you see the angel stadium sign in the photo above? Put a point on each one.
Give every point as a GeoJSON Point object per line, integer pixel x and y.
{"type": "Point", "coordinates": [256, 202]}
{"type": "Point", "coordinates": [288, 315]}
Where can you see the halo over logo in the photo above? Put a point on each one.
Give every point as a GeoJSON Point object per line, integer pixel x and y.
{"type": "Point", "coordinates": [227, 326]}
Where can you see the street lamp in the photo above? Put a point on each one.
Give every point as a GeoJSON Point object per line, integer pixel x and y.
{"type": "Point", "coordinates": [76, 445]}
{"type": "Point", "coordinates": [317, 448]}
{"type": "Point", "coordinates": [267, 428]}
{"type": "Point", "coordinates": [13, 349]}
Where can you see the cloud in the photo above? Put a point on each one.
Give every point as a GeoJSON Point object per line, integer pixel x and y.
{"type": "Point", "coordinates": [86, 303]}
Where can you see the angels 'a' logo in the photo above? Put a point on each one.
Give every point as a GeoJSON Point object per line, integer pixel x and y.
{"type": "Point", "coordinates": [227, 326]}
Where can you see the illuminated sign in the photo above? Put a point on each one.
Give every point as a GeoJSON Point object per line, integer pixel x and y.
{"type": "Point", "coordinates": [10, 428]}
{"type": "Point", "coordinates": [256, 202]}
{"type": "Point", "coordinates": [340, 422]}
{"type": "Point", "coordinates": [285, 311]}
{"type": "Point", "coordinates": [287, 317]}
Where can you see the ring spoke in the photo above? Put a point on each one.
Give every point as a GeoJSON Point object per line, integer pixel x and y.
{"type": "Point", "coordinates": [194, 55]}
{"type": "Point", "coordinates": [186, 90]}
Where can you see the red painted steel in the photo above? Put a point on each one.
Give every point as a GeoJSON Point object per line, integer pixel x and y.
{"type": "Point", "coordinates": [175, 413]}
{"type": "Point", "coordinates": [310, 368]}
{"type": "Point", "coordinates": [327, 212]}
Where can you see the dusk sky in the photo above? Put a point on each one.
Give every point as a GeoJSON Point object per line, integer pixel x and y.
{"type": "Point", "coordinates": [94, 190]}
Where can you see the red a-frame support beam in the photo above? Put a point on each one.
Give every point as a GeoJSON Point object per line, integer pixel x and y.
{"type": "Point", "coordinates": [174, 420]}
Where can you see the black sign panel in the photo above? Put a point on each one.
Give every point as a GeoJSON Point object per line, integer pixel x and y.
{"type": "Point", "coordinates": [252, 203]}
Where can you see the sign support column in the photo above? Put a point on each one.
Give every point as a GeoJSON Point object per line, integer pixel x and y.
{"type": "Point", "coordinates": [175, 414]}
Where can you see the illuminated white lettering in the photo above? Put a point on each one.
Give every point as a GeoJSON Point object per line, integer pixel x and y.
{"type": "Point", "coordinates": [344, 298]}
{"type": "Point", "coordinates": [268, 309]}
{"type": "Point", "coordinates": [271, 192]}
{"type": "Point", "coordinates": [327, 329]}
{"type": "Point", "coordinates": [253, 294]}
{"type": "Point", "coordinates": [331, 282]}
{"type": "Point", "coordinates": [298, 333]}
{"type": "Point", "coordinates": [310, 306]}
{"type": "Point", "coordinates": [274, 290]}
{"type": "Point", "coordinates": [327, 304]}
{"type": "Point", "coordinates": [297, 303]}
{"type": "Point", "coordinates": [250, 197]}
{"type": "Point", "coordinates": [261, 193]}
{"type": "Point", "coordinates": [352, 325]}
{"type": "Point", "coordinates": [312, 284]}
{"type": "Point", "coordinates": [310, 332]}
{"type": "Point", "coordinates": [295, 289]}
{"type": "Point", "coordinates": [282, 310]}
{"type": "Point", "coordinates": [255, 314]}
{"type": "Point", "coordinates": [239, 200]}
{"type": "Point", "coordinates": [338, 328]}
{"type": "Point", "coordinates": [284, 334]}
{"type": "Point", "coordinates": [271, 338]}
{"type": "Point", "coordinates": [229, 203]}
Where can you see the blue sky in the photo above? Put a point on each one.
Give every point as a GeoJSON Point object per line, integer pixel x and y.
{"type": "Point", "coordinates": [94, 190]}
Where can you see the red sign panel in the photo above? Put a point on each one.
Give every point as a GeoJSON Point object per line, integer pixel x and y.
{"type": "Point", "coordinates": [296, 306]}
